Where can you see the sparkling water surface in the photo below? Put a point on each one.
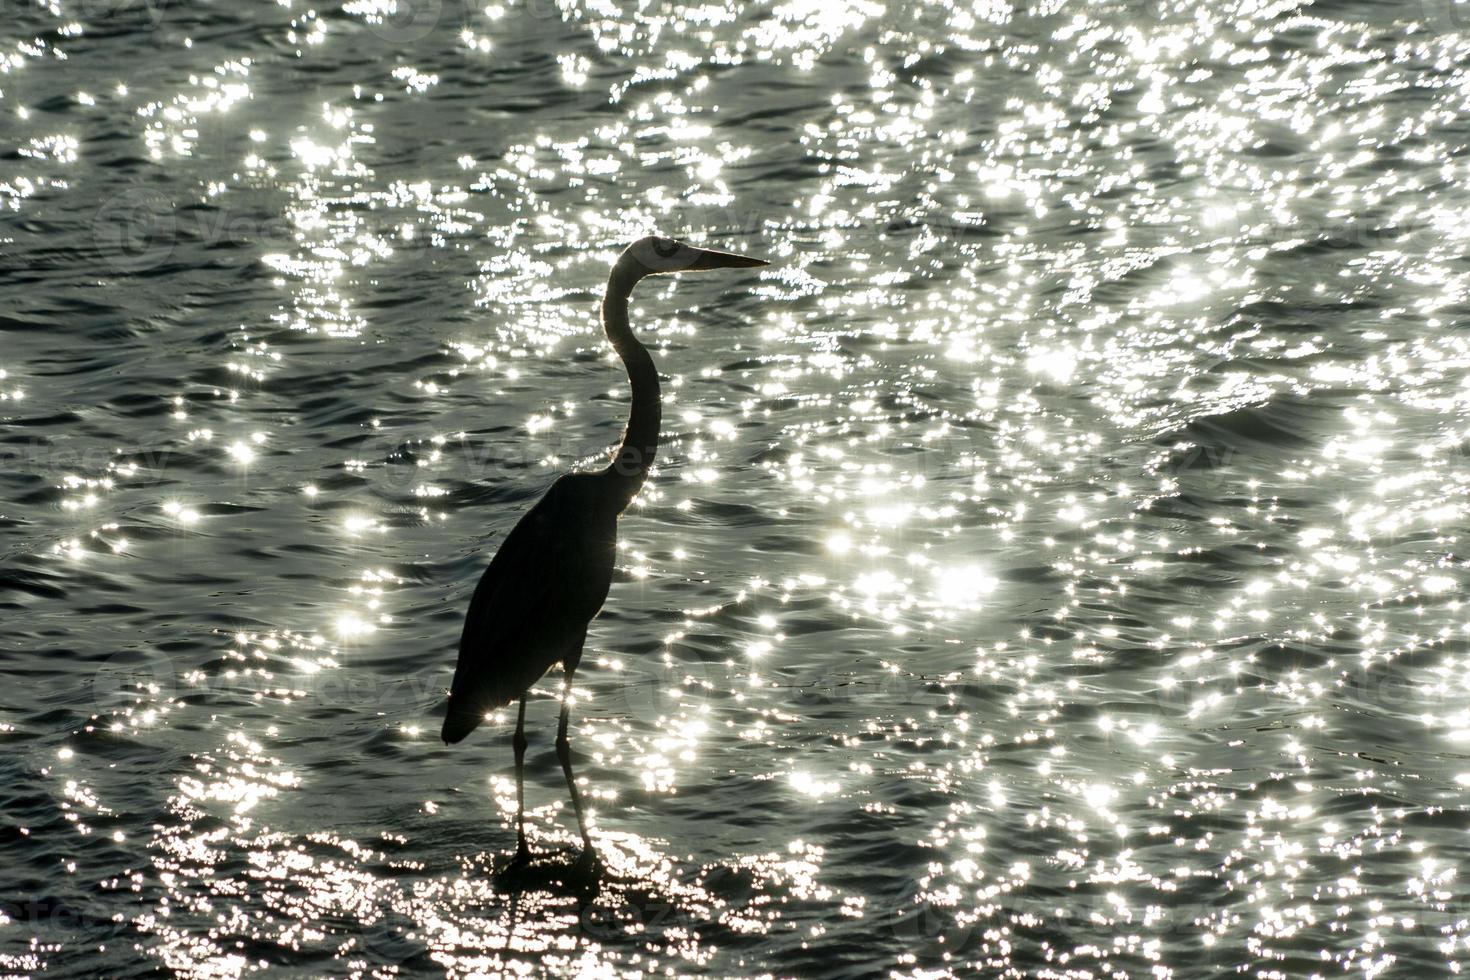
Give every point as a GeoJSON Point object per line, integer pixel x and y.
{"type": "Point", "coordinates": [1051, 568]}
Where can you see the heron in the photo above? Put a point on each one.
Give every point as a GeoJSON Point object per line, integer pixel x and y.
{"type": "Point", "coordinates": [551, 575]}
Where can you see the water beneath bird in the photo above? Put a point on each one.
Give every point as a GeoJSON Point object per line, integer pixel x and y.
{"type": "Point", "coordinates": [1052, 566]}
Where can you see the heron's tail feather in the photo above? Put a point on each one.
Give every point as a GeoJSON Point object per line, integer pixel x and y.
{"type": "Point", "coordinates": [460, 722]}
{"type": "Point", "coordinates": [470, 701]}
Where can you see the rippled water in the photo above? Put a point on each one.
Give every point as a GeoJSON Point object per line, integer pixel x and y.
{"type": "Point", "coordinates": [1052, 569]}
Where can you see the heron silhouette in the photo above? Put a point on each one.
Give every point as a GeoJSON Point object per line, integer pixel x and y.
{"type": "Point", "coordinates": [552, 573]}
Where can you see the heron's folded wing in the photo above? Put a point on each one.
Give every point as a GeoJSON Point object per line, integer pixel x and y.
{"type": "Point", "coordinates": [499, 656]}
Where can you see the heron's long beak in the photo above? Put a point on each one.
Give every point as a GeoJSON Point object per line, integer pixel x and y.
{"type": "Point", "coordinates": [710, 259]}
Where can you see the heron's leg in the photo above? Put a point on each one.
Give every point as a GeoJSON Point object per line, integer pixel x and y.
{"type": "Point", "coordinates": [519, 744]}
{"type": "Point", "coordinates": [564, 753]}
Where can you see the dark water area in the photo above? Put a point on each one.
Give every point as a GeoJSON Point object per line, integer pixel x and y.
{"type": "Point", "coordinates": [1051, 568]}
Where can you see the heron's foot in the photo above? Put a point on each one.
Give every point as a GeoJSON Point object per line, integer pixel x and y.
{"type": "Point", "coordinates": [588, 865]}
{"type": "Point", "coordinates": [517, 863]}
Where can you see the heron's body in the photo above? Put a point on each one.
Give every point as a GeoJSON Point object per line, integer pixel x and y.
{"type": "Point", "coordinates": [531, 608]}
{"type": "Point", "coordinates": [552, 573]}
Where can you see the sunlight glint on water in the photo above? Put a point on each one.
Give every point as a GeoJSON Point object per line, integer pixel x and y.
{"type": "Point", "coordinates": [1052, 566]}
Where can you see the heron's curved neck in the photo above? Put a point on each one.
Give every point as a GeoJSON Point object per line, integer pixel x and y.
{"type": "Point", "coordinates": [629, 468]}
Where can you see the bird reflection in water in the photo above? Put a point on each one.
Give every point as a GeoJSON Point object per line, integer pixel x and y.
{"type": "Point", "coordinates": [551, 575]}
{"type": "Point", "coordinates": [483, 925]}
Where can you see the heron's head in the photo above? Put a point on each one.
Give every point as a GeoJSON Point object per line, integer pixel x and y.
{"type": "Point", "coordinates": [655, 255]}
